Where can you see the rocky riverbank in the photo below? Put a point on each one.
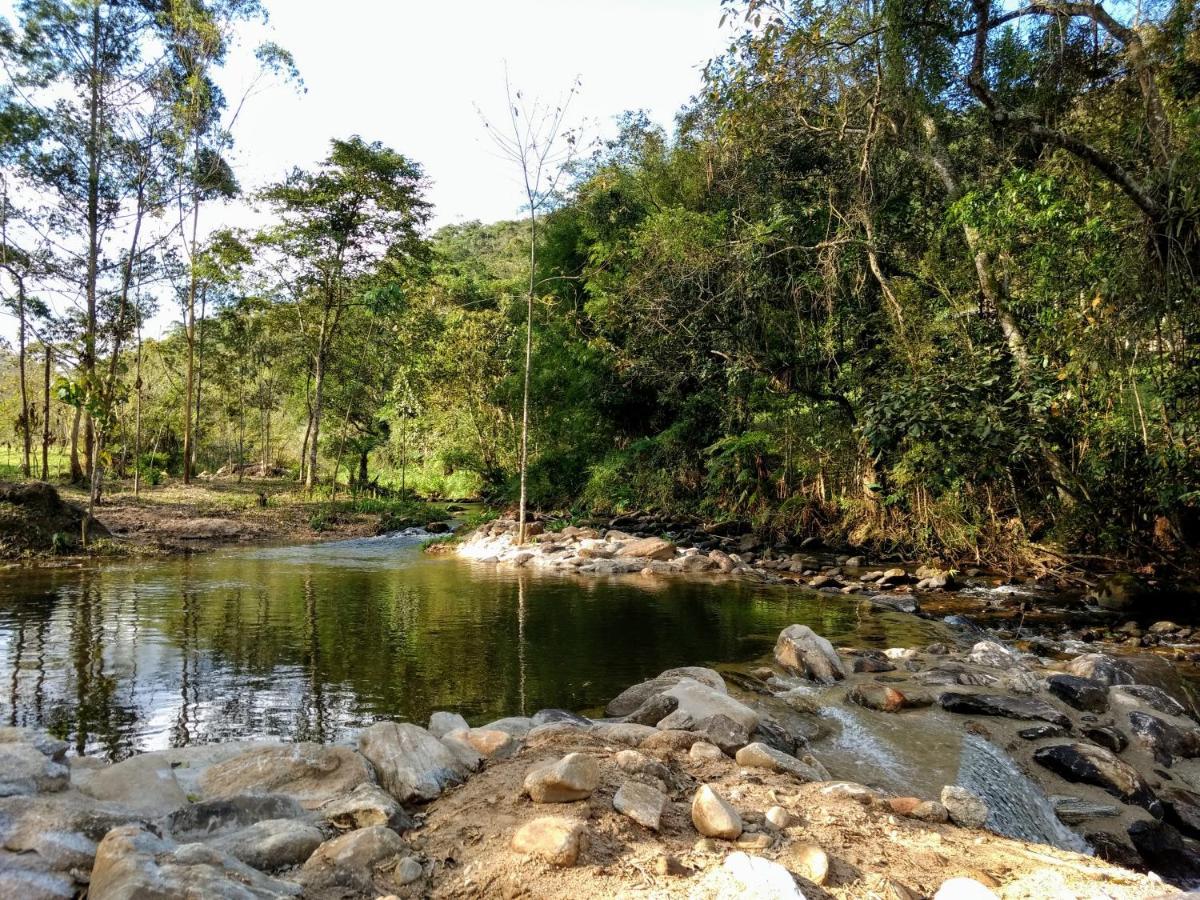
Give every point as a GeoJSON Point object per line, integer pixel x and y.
{"type": "Point", "coordinates": [768, 783]}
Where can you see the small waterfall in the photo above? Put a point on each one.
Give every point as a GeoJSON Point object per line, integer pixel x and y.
{"type": "Point", "coordinates": [1018, 807]}
{"type": "Point", "coordinates": [868, 750]}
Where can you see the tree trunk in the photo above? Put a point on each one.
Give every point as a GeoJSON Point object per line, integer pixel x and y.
{"type": "Point", "coordinates": [199, 377]}
{"type": "Point", "coordinates": [93, 229]}
{"type": "Point", "coordinates": [137, 428]}
{"type": "Point", "coordinates": [362, 469]}
{"type": "Point", "coordinates": [46, 415]}
{"type": "Point", "coordinates": [310, 480]}
{"type": "Point", "coordinates": [190, 333]}
{"type": "Point", "coordinates": [522, 514]}
{"type": "Point", "coordinates": [76, 467]}
{"type": "Point", "coordinates": [26, 411]}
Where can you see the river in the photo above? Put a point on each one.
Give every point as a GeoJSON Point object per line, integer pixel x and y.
{"type": "Point", "coordinates": [313, 642]}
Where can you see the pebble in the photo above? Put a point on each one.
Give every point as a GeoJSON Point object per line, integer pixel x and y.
{"type": "Point", "coordinates": [779, 817]}
{"type": "Point", "coordinates": [810, 862]}
{"type": "Point", "coordinates": [964, 808]}
{"type": "Point", "coordinates": [713, 815]}
{"type": "Point", "coordinates": [755, 841]}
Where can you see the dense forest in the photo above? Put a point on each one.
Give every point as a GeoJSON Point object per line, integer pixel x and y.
{"type": "Point", "coordinates": [917, 273]}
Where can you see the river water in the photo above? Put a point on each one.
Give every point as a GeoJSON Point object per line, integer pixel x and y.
{"type": "Point", "coordinates": [313, 642]}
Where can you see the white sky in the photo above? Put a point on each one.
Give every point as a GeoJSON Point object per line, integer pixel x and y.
{"type": "Point", "coordinates": [416, 75]}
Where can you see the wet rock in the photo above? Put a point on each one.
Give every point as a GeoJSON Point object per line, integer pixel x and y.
{"type": "Point", "coordinates": [365, 806]}
{"type": "Point", "coordinates": [964, 889]}
{"type": "Point", "coordinates": [1108, 737]}
{"type": "Point", "coordinates": [1182, 809]}
{"type": "Point", "coordinates": [633, 697]}
{"type": "Point", "coordinates": [803, 652]}
{"type": "Point", "coordinates": [1041, 732]}
{"type": "Point", "coordinates": [132, 862]}
{"type": "Point", "coordinates": [871, 664]}
{"type": "Point", "coordinates": [760, 756]}
{"type": "Point", "coordinates": [1089, 764]}
{"type": "Point", "coordinates": [1165, 741]}
{"type": "Point", "coordinates": [876, 696]}
{"type": "Point", "coordinates": [442, 723]}
{"type": "Point", "coordinates": [273, 844]}
{"type": "Point", "coordinates": [353, 860]}
{"type": "Point", "coordinates": [648, 548]}
{"type": "Point", "coordinates": [713, 815]}
{"type": "Point", "coordinates": [411, 763]}
{"type": "Point", "coordinates": [1086, 694]}
{"type": "Point", "coordinates": [1072, 810]}
{"type": "Point", "coordinates": [558, 841]}
{"type": "Point", "coordinates": [1164, 850]}
{"type": "Point", "coordinates": [571, 778]}
{"type": "Point", "coordinates": [1104, 669]}
{"type": "Point", "coordinates": [993, 655]}
{"type": "Point", "coordinates": [209, 818]}
{"type": "Point", "coordinates": [1138, 695]}
{"type": "Point", "coordinates": [963, 807]}
{"type": "Point", "coordinates": [311, 773]}
{"type": "Point", "coordinates": [641, 803]}
{"type": "Point", "coordinates": [1000, 705]}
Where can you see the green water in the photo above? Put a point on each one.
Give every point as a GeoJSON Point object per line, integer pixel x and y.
{"type": "Point", "coordinates": [310, 643]}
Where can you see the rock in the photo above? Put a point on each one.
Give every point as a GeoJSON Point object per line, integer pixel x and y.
{"type": "Point", "coordinates": [144, 783]}
{"type": "Point", "coordinates": [871, 664]}
{"type": "Point", "coordinates": [809, 862]}
{"type": "Point", "coordinates": [653, 711]}
{"type": "Point", "coordinates": [760, 756]}
{"type": "Point", "coordinates": [1041, 732]}
{"type": "Point", "coordinates": [993, 655]}
{"type": "Point", "coordinates": [559, 717]}
{"type": "Point", "coordinates": [697, 563]}
{"type": "Point", "coordinates": [353, 859]}
{"type": "Point", "coordinates": [713, 816]}
{"type": "Point", "coordinates": [1163, 740]}
{"type": "Point", "coordinates": [703, 751]}
{"type": "Point", "coordinates": [365, 806]}
{"type": "Point", "coordinates": [670, 740]}
{"type": "Point", "coordinates": [964, 808]}
{"type": "Point", "coordinates": [558, 841]}
{"type": "Point", "coordinates": [26, 769]}
{"type": "Point", "coordinates": [849, 790]}
{"type": "Point", "coordinates": [930, 811]}
{"type": "Point", "coordinates": [573, 777]}
{"type": "Point", "coordinates": [1182, 810]}
{"type": "Point", "coordinates": [641, 803]}
{"type": "Point", "coordinates": [442, 723]}
{"type": "Point", "coordinates": [894, 577]}
{"type": "Point", "coordinates": [210, 818]}
{"type": "Point", "coordinates": [698, 702]}
{"type": "Point", "coordinates": [1088, 764]}
{"type": "Point", "coordinates": [633, 697]}
{"type": "Point", "coordinates": [1119, 592]}
{"type": "Point", "coordinates": [825, 582]}
{"type": "Point", "coordinates": [1101, 668]}
{"type": "Point", "coordinates": [517, 726]}
{"type": "Point", "coordinates": [876, 696]}
{"type": "Point", "coordinates": [411, 763]}
{"type": "Point", "coordinates": [468, 757]}
{"type": "Point", "coordinates": [1108, 737]}
{"type": "Point", "coordinates": [623, 732]}
{"type": "Point", "coordinates": [1086, 694]}
{"type": "Point", "coordinates": [648, 548]}
{"type": "Point", "coordinates": [408, 870]}
{"type": "Point", "coordinates": [639, 764]}
{"type": "Point", "coordinates": [742, 875]}
{"type": "Point", "coordinates": [272, 844]}
{"type": "Point", "coordinates": [779, 817]}
{"type": "Point", "coordinates": [312, 773]}
{"type": "Point", "coordinates": [1138, 695]}
{"type": "Point", "coordinates": [801, 651]}
{"type": "Point", "coordinates": [490, 743]}
{"type": "Point", "coordinates": [1164, 850]}
{"type": "Point", "coordinates": [133, 863]}
{"type": "Point", "coordinates": [722, 731]}
{"type": "Point", "coordinates": [1001, 705]}
{"type": "Point", "coordinates": [665, 864]}
{"type": "Point", "coordinates": [1164, 628]}
{"type": "Point", "coordinates": [1072, 810]}
{"type": "Point", "coordinates": [964, 889]}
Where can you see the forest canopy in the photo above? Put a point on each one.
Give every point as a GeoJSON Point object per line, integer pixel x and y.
{"type": "Point", "coordinates": [919, 274]}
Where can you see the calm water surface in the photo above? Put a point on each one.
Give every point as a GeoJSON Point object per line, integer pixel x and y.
{"type": "Point", "coordinates": [313, 642]}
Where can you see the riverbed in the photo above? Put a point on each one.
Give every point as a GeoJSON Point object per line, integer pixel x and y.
{"type": "Point", "coordinates": [315, 642]}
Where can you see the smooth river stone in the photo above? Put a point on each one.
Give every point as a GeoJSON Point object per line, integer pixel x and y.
{"type": "Point", "coordinates": [573, 777]}
{"type": "Point", "coordinates": [714, 816]}
{"type": "Point", "coordinates": [411, 763]}
{"type": "Point", "coordinates": [801, 651]}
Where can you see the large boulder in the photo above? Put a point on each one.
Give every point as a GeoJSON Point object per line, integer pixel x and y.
{"type": "Point", "coordinates": [31, 763]}
{"type": "Point", "coordinates": [648, 548]}
{"type": "Point", "coordinates": [1004, 706]}
{"type": "Point", "coordinates": [411, 763]}
{"type": "Point", "coordinates": [1120, 592]}
{"type": "Point", "coordinates": [356, 860]}
{"type": "Point", "coordinates": [312, 773]}
{"type": "Point", "coordinates": [633, 697]}
{"type": "Point", "coordinates": [1102, 668]}
{"type": "Point", "coordinates": [210, 818]}
{"type": "Point", "coordinates": [801, 651]}
{"type": "Point", "coordinates": [273, 844]}
{"type": "Point", "coordinates": [696, 703]}
{"type": "Point", "coordinates": [1089, 764]}
{"type": "Point", "coordinates": [131, 862]}
{"type": "Point", "coordinates": [365, 806]}
{"type": "Point", "coordinates": [144, 783]}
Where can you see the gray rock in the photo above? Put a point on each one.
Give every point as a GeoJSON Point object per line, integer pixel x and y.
{"type": "Point", "coordinates": [1108, 737]}
{"type": "Point", "coordinates": [209, 818]}
{"type": "Point", "coordinates": [272, 844]}
{"type": "Point", "coordinates": [640, 802]}
{"type": "Point", "coordinates": [697, 702]}
{"type": "Point", "coordinates": [517, 726]}
{"type": "Point", "coordinates": [365, 806]}
{"type": "Point", "coordinates": [408, 871]}
{"type": "Point", "coordinates": [801, 651]}
{"type": "Point", "coordinates": [1137, 695]}
{"type": "Point", "coordinates": [311, 773]}
{"type": "Point", "coordinates": [353, 860]}
{"type": "Point", "coordinates": [574, 777]}
{"type": "Point", "coordinates": [1072, 810]}
{"type": "Point", "coordinates": [1086, 694]}
{"type": "Point", "coordinates": [559, 717]}
{"type": "Point", "coordinates": [633, 697]}
{"type": "Point", "coordinates": [760, 756]}
{"type": "Point", "coordinates": [1101, 668]}
{"type": "Point", "coordinates": [442, 723]}
{"type": "Point", "coordinates": [26, 769]}
{"type": "Point", "coordinates": [993, 655]}
{"type": "Point", "coordinates": [622, 732]}
{"type": "Point", "coordinates": [411, 763]}
{"type": "Point", "coordinates": [145, 783]}
{"type": "Point", "coordinates": [133, 863]}
{"type": "Point", "coordinates": [964, 808]}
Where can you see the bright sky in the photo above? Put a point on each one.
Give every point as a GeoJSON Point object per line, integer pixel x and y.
{"type": "Point", "coordinates": [411, 74]}
{"type": "Point", "coordinates": [417, 75]}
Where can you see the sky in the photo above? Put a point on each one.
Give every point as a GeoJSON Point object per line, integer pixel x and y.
{"type": "Point", "coordinates": [421, 76]}
{"type": "Point", "coordinates": [417, 76]}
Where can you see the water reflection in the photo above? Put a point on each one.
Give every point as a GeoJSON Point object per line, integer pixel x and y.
{"type": "Point", "coordinates": [313, 642]}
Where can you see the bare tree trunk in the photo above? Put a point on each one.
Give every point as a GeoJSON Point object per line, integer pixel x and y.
{"type": "Point", "coordinates": [76, 467]}
{"type": "Point", "coordinates": [93, 227]}
{"type": "Point", "coordinates": [137, 429]}
{"type": "Point", "coordinates": [310, 479]}
{"type": "Point", "coordinates": [26, 411]}
{"type": "Point", "coordinates": [199, 377]}
{"type": "Point", "coordinates": [190, 332]}
{"type": "Point", "coordinates": [46, 414]}
{"type": "Point", "coordinates": [522, 514]}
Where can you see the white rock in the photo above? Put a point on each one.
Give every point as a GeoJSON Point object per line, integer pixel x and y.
{"type": "Point", "coordinates": [963, 889]}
